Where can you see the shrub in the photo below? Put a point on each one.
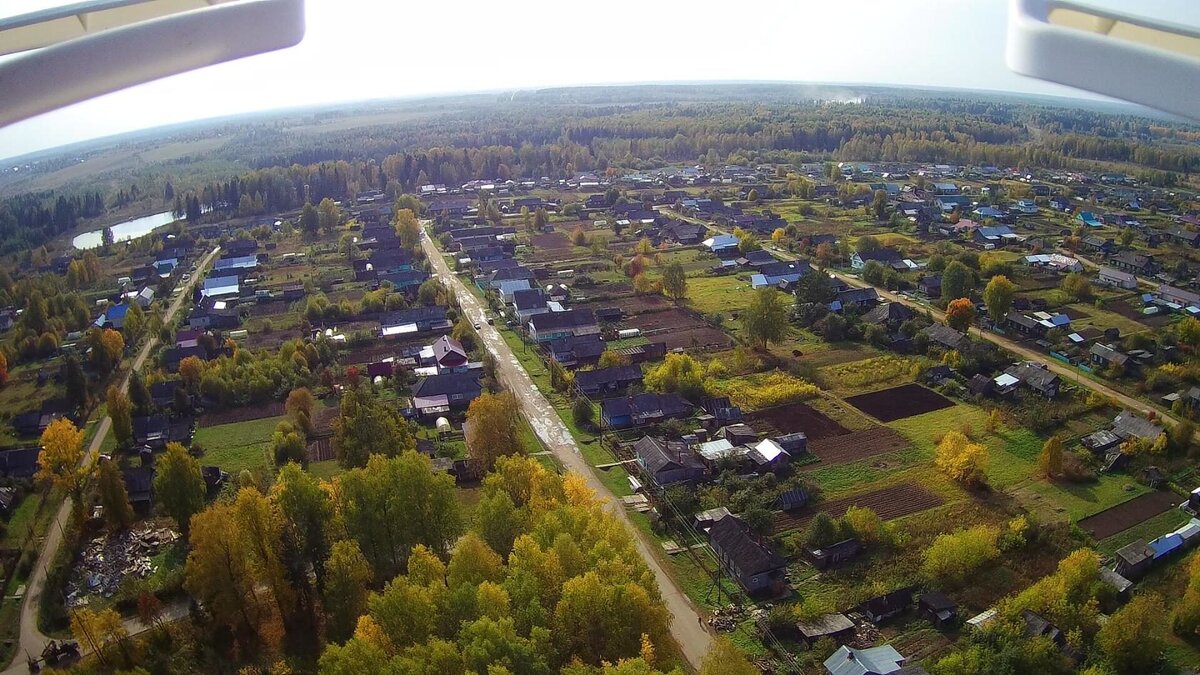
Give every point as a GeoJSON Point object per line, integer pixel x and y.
{"type": "Point", "coordinates": [765, 390]}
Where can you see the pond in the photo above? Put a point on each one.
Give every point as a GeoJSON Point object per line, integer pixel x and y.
{"type": "Point", "coordinates": [130, 229]}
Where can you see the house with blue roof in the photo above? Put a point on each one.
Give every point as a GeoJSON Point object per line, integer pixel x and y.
{"type": "Point", "coordinates": [1088, 218]}
{"type": "Point", "coordinates": [241, 263]}
{"type": "Point", "coordinates": [948, 203]}
{"type": "Point", "coordinates": [995, 237]}
{"type": "Point", "coordinates": [721, 242]}
{"type": "Point", "coordinates": [221, 286]}
{"type": "Point", "coordinates": [988, 212]}
{"type": "Point", "coordinates": [1026, 207]}
{"type": "Point", "coordinates": [113, 317]}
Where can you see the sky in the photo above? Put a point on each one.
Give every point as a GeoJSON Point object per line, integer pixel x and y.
{"type": "Point", "coordinates": [378, 49]}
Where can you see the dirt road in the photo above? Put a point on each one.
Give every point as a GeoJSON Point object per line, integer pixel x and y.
{"type": "Point", "coordinates": [686, 627]}
{"type": "Point", "coordinates": [32, 642]}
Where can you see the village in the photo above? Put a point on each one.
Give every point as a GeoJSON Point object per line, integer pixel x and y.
{"type": "Point", "coordinates": [799, 382]}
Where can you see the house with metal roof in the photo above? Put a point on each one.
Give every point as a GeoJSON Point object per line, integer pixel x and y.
{"type": "Point", "coordinates": [883, 660]}
{"type": "Point", "coordinates": [668, 462]}
{"type": "Point", "coordinates": [745, 556]}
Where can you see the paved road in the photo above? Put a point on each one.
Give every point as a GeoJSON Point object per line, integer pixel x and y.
{"type": "Point", "coordinates": [32, 642]}
{"type": "Point", "coordinates": [686, 626]}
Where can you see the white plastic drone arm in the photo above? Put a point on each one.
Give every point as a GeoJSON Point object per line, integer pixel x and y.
{"type": "Point", "coordinates": [1138, 59]}
{"type": "Point", "coordinates": [98, 63]}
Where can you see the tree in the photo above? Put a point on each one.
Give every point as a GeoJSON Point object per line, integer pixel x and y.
{"type": "Point", "coordinates": [954, 558]}
{"type": "Point", "coordinates": [61, 458]}
{"type": "Point", "coordinates": [879, 205]}
{"type": "Point", "coordinates": [1129, 638]}
{"type": "Point", "coordinates": [822, 531]}
{"type": "Point", "coordinates": [674, 282]}
{"type": "Point", "coordinates": [299, 408]}
{"type": "Point", "coordinates": [310, 221]}
{"type": "Point", "coordinates": [217, 571]}
{"type": "Point", "coordinates": [473, 562]}
{"type": "Point", "coordinates": [1050, 461]}
{"type": "Point", "coordinates": [765, 319]}
{"type": "Point", "coordinates": [723, 658]}
{"type": "Point", "coordinates": [599, 621]}
{"type": "Point", "coordinates": [328, 215]}
{"type": "Point", "coordinates": [960, 459]}
{"type": "Point", "coordinates": [492, 428]}
{"type": "Point", "coordinates": [347, 575]}
{"type": "Point", "coordinates": [114, 500]}
{"type": "Point", "coordinates": [814, 289]}
{"type": "Point", "coordinates": [261, 529]}
{"type": "Point", "coordinates": [288, 445]}
{"type": "Point", "coordinates": [612, 358]}
{"type": "Point", "coordinates": [1077, 286]}
{"type": "Point", "coordinates": [752, 196]}
{"type": "Point", "coordinates": [678, 373]}
{"type": "Point", "coordinates": [393, 504]}
{"type": "Point", "coordinates": [582, 412]}
{"type": "Point", "coordinates": [75, 381]}
{"type": "Point", "coordinates": [191, 369]}
{"type": "Point", "coordinates": [957, 281]}
{"type": "Point", "coordinates": [98, 629]}
{"type": "Point", "coordinates": [1127, 235]}
{"type": "Point", "coordinates": [866, 524]}
{"type": "Point", "coordinates": [179, 486]}
{"type": "Point", "coordinates": [107, 346]}
{"type": "Point", "coordinates": [139, 394]}
{"type": "Point", "coordinates": [540, 219]}
{"type": "Point", "coordinates": [366, 426]}
{"type": "Point", "coordinates": [306, 509]}
{"type": "Point", "coordinates": [408, 229]}
{"type": "Point", "coordinates": [867, 244]}
{"type": "Point", "coordinates": [960, 314]}
{"type": "Point", "coordinates": [3, 369]}
{"type": "Point", "coordinates": [121, 412]}
{"type": "Point", "coordinates": [1182, 434]}
{"type": "Point", "coordinates": [998, 296]}
{"type": "Point", "coordinates": [1188, 331]}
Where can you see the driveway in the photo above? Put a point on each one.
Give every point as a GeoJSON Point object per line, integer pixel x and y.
{"type": "Point", "coordinates": [32, 642]}
{"type": "Point", "coordinates": [686, 625]}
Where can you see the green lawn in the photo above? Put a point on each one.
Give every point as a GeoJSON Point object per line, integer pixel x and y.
{"type": "Point", "coordinates": [325, 470]}
{"type": "Point", "coordinates": [20, 521]}
{"type": "Point", "coordinates": [237, 446]}
{"type": "Point", "coordinates": [718, 295]}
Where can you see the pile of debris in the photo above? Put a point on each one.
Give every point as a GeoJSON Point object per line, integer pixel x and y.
{"type": "Point", "coordinates": [726, 619]}
{"type": "Point", "coordinates": [866, 634]}
{"type": "Point", "coordinates": [108, 560]}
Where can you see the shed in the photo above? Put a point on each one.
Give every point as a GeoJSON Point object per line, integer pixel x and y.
{"type": "Point", "coordinates": [836, 627]}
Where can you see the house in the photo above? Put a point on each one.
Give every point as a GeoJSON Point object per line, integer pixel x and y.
{"type": "Point", "coordinates": [1036, 377]}
{"type": "Point", "coordinates": [1135, 263]}
{"type": "Point", "coordinates": [1108, 356]}
{"type": "Point", "coordinates": [1128, 424]}
{"type": "Point", "coordinates": [890, 314]}
{"type": "Point", "coordinates": [1023, 324]}
{"type": "Point", "coordinates": [945, 189]}
{"type": "Point", "coordinates": [1184, 237]}
{"type": "Point", "coordinates": [19, 462]}
{"type": "Point", "coordinates": [721, 244]}
{"type": "Point", "coordinates": [1095, 244]}
{"type": "Point", "coordinates": [781, 273]}
{"type": "Point", "coordinates": [647, 408]}
{"type": "Point", "coordinates": [1116, 278]}
{"type": "Point", "coordinates": [238, 265]}
{"type": "Point", "coordinates": [776, 450]}
{"type": "Point", "coordinates": [1177, 296]}
{"type": "Point", "coordinates": [834, 554]}
{"type": "Point", "coordinates": [1087, 218]}
{"type": "Point", "coordinates": [755, 566]}
{"type": "Point", "coordinates": [856, 298]}
{"type": "Point", "coordinates": [883, 256]}
{"type": "Point", "coordinates": [1060, 203]}
{"type": "Point", "coordinates": [607, 380]}
{"type": "Point", "coordinates": [887, 606]}
{"type": "Point", "coordinates": [883, 660]}
{"type": "Point", "coordinates": [995, 237]}
{"type": "Point", "coordinates": [574, 351]}
{"type": "Point", "coordinates": [162, 394]}
{"type": "Point", "coordinates": [221, 287]}
{"type": "Point", "coordinates": [144, 297]}
{"type": "Point", "coordinates": [445, 391]}
{"type": "Point", "coordinates": [413, 320]}
{"type": "Point", "coordinates": [722, 410]}
{"type": "Point", "coordinates": [1100, 441]}
{"type": "Point", "coordinates": [113, 317]}
{"type": "Point", "coordinates": [557, 325]}
{"type": "Point", "coordinates": [945, 336]}
{"type": "Point", "coordinates": [528, 303]}
{"type": "Point", "coordinates": [951, 203]}
{"type": "Point", "coordinates": [930, 286]}
{"type": "Point", "coordinates": [139, 483]}
{"type": "Point", "coordinates": [836, 627]}
{"type": "Point", "coordinates": [1026, 207]}
{"type": "Point", "coordinates": [792, 499]}
{"type": "Point", "coordinates": [508, 289]}
{"type": "Point", "coordinates": [1054, 261]}
{"type": "Point", "coordinates": [1037, 626]}
{"type": "Point", "coordinates": [668, 462]}
{"type": "Point", "coordinates": [939, 609]}
{"type": "Point", "coordinates": [737, 434]}
{"type": "Point", "coordinates": [450, 355]}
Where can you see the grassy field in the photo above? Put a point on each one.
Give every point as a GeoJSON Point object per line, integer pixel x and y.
{"type": "Point", "coordinates": [237, 446]}
{"type": "Point", "coordinates": [718, 295]}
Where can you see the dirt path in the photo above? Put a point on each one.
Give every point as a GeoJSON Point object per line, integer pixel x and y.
{"type": "Point", "coordinates": [686, 627]}
{"type": "Point", "coordinates": [32, 642]}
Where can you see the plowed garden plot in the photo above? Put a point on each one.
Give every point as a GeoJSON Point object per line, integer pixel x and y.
{"type": "Point", "coordinates": [1125, 515]}
{"type": "Point", "coordinates": [678, 329]}
{"type": "Point", "coordinates": [897, 403]}
{"type": "Point", "coordinates": [857, 445]}
{"type": "Point", "coordinates": [551, 241]}
{"type": "Point", "coordinates": [890, 503]}
{"type": "Point", "coordinates": [243, 414]}
{"type": "Point", "coordinates": [787, 419]}
{"type": "Point", "coordinates": [1129, 312]}
{"type": "Point", "coordinates": [637, 304]}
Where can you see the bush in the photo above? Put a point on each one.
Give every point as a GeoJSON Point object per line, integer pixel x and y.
{"type": "Point", "coordinates": [765, 390]}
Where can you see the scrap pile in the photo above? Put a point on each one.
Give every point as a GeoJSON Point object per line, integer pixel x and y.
{"type": "Point", "coordinates": [726, 619]}
{"type": "Point", "coordinates": [108, 560]}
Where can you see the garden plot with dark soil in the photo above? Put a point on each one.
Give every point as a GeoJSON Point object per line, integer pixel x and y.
{"type": "Point", "coordinates": [856, 445]}
{"type": "Point", "coordinates": [897, 403]}
{"type": "Point", "coordinates": [678, 329]}
{"type": "Point", "coordinates": [787, 419]}
{"type": "Point", "coordinates": [1125, 515]}
{"type": "Point", "coordinates": [890, 503]}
